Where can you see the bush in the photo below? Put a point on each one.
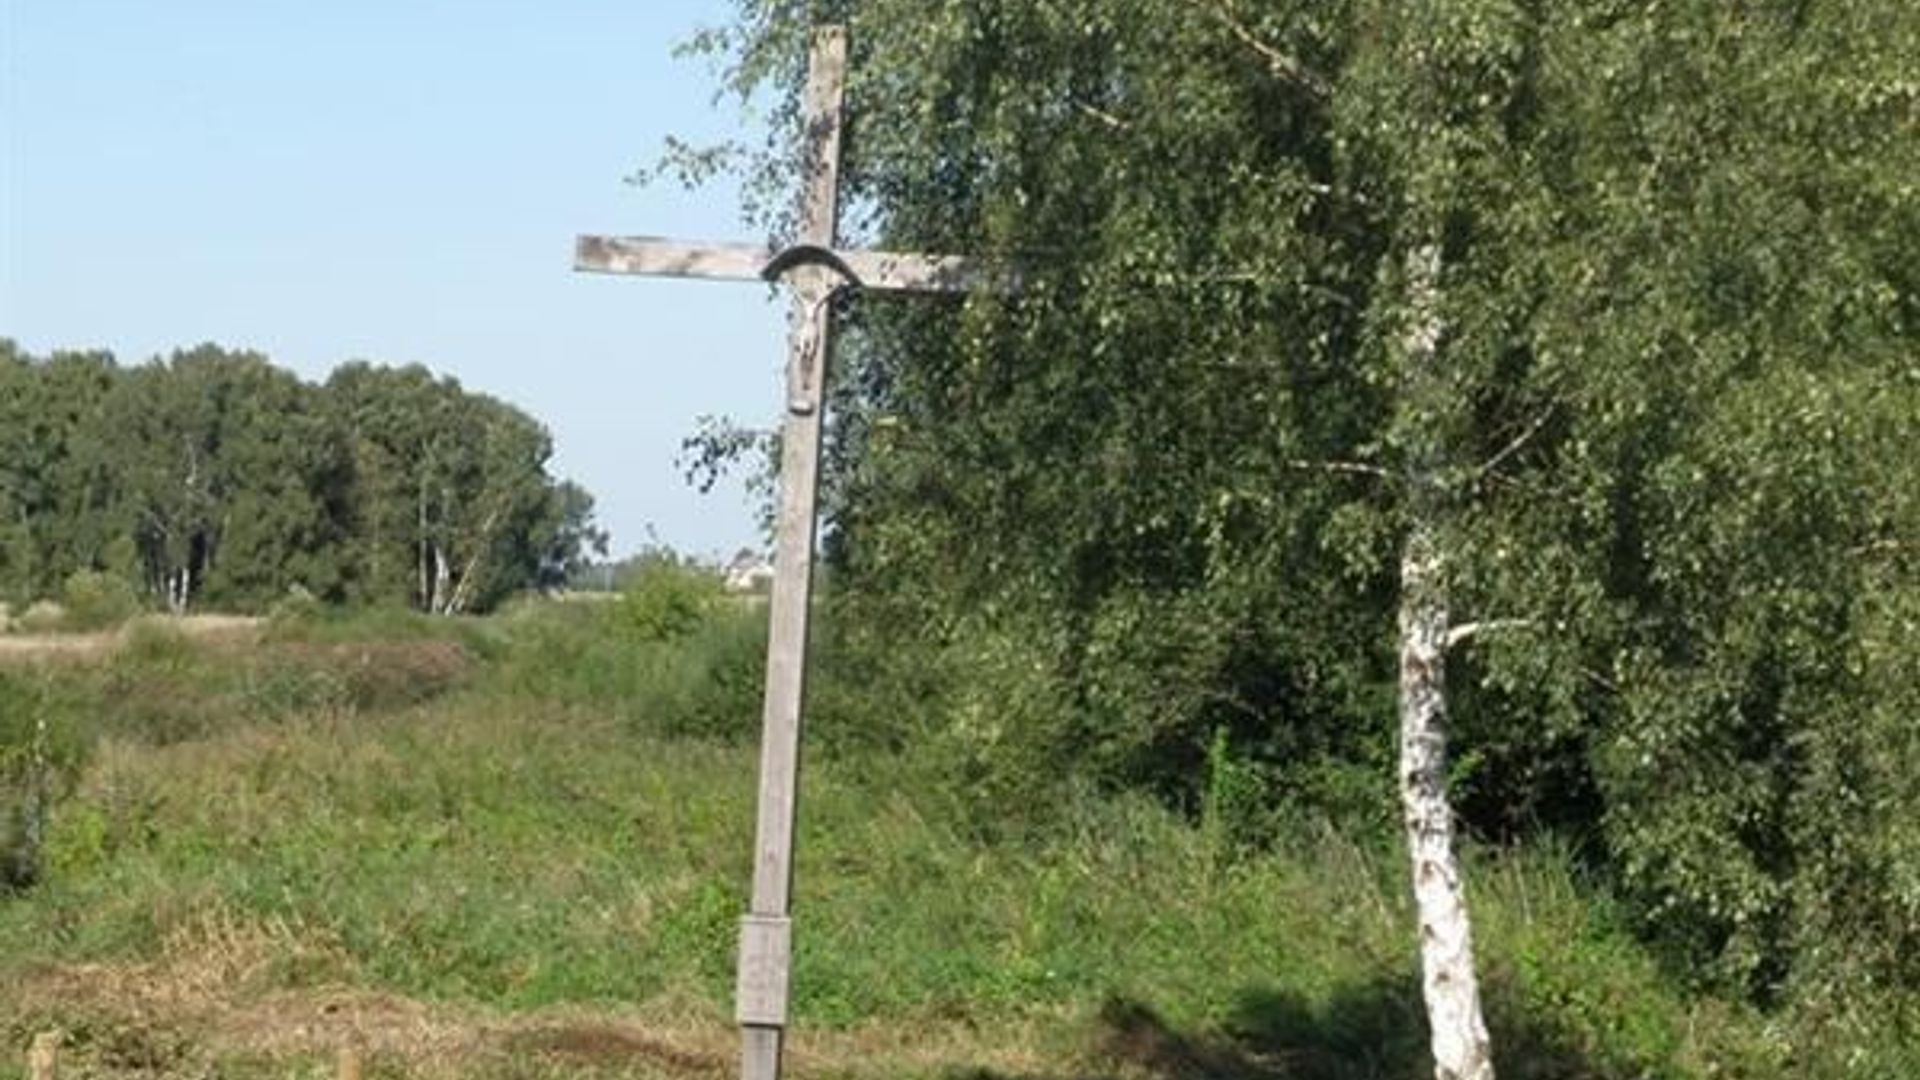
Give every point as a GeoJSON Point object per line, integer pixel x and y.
{"type": "Point", "coordinates": [97, 601]}
{"type": "Point", "coordinates": [42, 617]}
{"type": "Point", "coordinates": [39, 759]}
{"type": "Point", "coordinates": [674, 655]}
{"type": "Point", "coordinates": [722, 666]}
{"type": "Point", "coordinates": [667, 601]}
{"type": "Point", "coordinates": [296, 605]}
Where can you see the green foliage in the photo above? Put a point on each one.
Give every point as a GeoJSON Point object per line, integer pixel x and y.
{"type": "Point", "coordinates": [453, 499]}
{"type": "Point", "coordinates": [506, 847]}
{"type": "Point", "coordinates": [42, 617]}
{"type": "Point", "coordinates": [96, 601]}
{"type": "Point", "coordinates": [1158, 495]}
{"type": "Point", "coordinates": [52, 482]}
{"type": "Point", "coordinates": [41, 754]}
{"type": "Point", "coordinates": [213, 477]}
{"type": "Point", "coordinates": [1234, 814]}
{"type": "Point", "coordinates": [665, 602]}
{"type": "Point", "coordinates": [672, 655]}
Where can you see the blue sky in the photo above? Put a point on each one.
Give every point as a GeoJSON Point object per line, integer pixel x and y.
{"type": "Point", "coordinates": [397, 180]}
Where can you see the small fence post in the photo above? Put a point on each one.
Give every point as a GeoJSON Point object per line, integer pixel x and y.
{"type": "Point", "coordinates": [43, 1057]}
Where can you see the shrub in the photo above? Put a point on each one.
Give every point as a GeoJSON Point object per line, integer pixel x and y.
{"type": "Point", "coordinates": [297, 605]}
{"type": "Point", "coordinates": [97, 601]}
{"type": "Point", "coordinates": [39, 759]}
{"type": "Point", "coordinates": [293, 620]}
{"type": "Point", "coordinates": [666, 602]}
{"type": "Point", "coordinates": [42, 617]}
{"type": "Point", "coordinates": [722, 665]}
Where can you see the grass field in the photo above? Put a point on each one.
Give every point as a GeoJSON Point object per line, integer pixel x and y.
{"type": "Point", "coordinates": [510, 849]}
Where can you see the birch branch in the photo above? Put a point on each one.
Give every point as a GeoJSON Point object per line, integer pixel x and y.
{"type": "Point", "coordinates": [1466, 631]}
{"type": "Point", "coordinates": [1519, 441]}
{"type": "Point", "coordinates": [1356, 467]}
{"type": "Point", "coordinates": [1102, 115]}
{"type": "Point", "coordinates": [1875, 547]}
{"type": "Point", "coordinates": [1600, 680]}
{"type": "Point", "coordinates": [1278, 62]}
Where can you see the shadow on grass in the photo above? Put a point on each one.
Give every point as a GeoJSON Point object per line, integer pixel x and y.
{"type": "Point", "coordinates": [1368, 1031]}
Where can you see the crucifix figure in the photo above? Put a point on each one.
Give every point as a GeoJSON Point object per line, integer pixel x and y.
{"type": "Point", "coordinates": [815, 270]}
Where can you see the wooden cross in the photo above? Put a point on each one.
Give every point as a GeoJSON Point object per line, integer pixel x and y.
{"type": "Point", "coordinates": [816, 271]}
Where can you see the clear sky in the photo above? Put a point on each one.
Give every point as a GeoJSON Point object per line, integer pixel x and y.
{"type": "Point", "coordinates": [396, 180]}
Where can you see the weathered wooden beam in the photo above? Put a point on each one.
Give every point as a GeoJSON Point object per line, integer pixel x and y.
{"type": "Point", "coordinates": [656, 256]}
{"type": "Point", "coordinates": [881, 271]}
{"type": "Point", "coordinates": [761, 994]}
{"type": "Point", "coordinates": [814, 268]}
{"type": "Point", "coordinates": [889, 271]}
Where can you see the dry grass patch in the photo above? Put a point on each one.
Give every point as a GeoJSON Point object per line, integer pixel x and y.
{"type": "Point", "coordinates": [207, 1008]}
{"type": "Point", "coordinates": [215, 1003]}
{"type": "Point", "coordinates": [219, 631]}
{"type": "Point", "coordinates": [211, 1001]}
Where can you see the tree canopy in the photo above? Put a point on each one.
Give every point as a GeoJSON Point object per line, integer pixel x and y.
{"type": "Point", "coordinates": [1154, 505]}
{"type": "Point", "coordinates": [214, 477]}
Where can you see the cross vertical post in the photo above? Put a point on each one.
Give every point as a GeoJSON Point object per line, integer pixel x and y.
{"type": "Point", "coordinates": [815, 270]}
{"type": "Point", "coordinates": [766, 933]}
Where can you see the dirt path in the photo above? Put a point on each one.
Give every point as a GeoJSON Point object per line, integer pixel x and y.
{"type": "Point", "coordinates": [238, 629]}
{"type": "Point", "coordinates": [204, 1016]}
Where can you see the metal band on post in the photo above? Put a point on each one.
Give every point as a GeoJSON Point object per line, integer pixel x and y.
{"type": "Point", "coordinates": [808, 255]}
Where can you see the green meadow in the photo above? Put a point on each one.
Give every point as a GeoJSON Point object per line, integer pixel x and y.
{"type": "Point", "coordinates": [517, 846]}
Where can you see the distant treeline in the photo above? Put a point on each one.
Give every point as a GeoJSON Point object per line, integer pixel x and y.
{"type": "Point", "coordinates": [214, 478]}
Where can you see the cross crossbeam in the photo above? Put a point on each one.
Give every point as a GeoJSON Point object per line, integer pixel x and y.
{"type": "Point", "coordinates": [871, 271]}
{"type": "Point", "coordinates": [815, 269]}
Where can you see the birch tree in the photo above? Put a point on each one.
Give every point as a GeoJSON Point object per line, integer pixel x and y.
{"type": "Point", "coordinates": [1249, 388]}
{"type": "Point", "coordinates": [171, 479]}
{"type": "Point", "coordinates": [453, 505]}
{"type": "Point", "coordinates": [1450, 981]}
{"type": "Point", "coordinates": [1575, 337]}
{"type": "Point", "coordinates": [223, 469]}
{"type": "Point", "coordinates": [1459, 65]}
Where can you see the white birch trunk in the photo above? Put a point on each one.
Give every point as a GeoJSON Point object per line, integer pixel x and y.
{"type": "Point", "coordinates": [177, 591]}
{"type": "Point", "coordinates": [463, 590]}
{"type": "Point", "coordinates": [442, 575]}
{"type": "Point", "coordinates": [1461, 1048]}
{"type": "Point", "coordinates": [422, 547]}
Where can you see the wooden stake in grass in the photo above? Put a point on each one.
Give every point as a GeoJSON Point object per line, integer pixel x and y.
{"type": "Point", "coordinates": [43, 1057]}
{"type": "Point", "coordinates": [817, 272]}
{"type": "Point", "coordinates": [349, 1063]}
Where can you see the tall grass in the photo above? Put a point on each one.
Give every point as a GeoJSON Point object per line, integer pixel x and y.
{"type": "Point", "coordinates": [565, 819]}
